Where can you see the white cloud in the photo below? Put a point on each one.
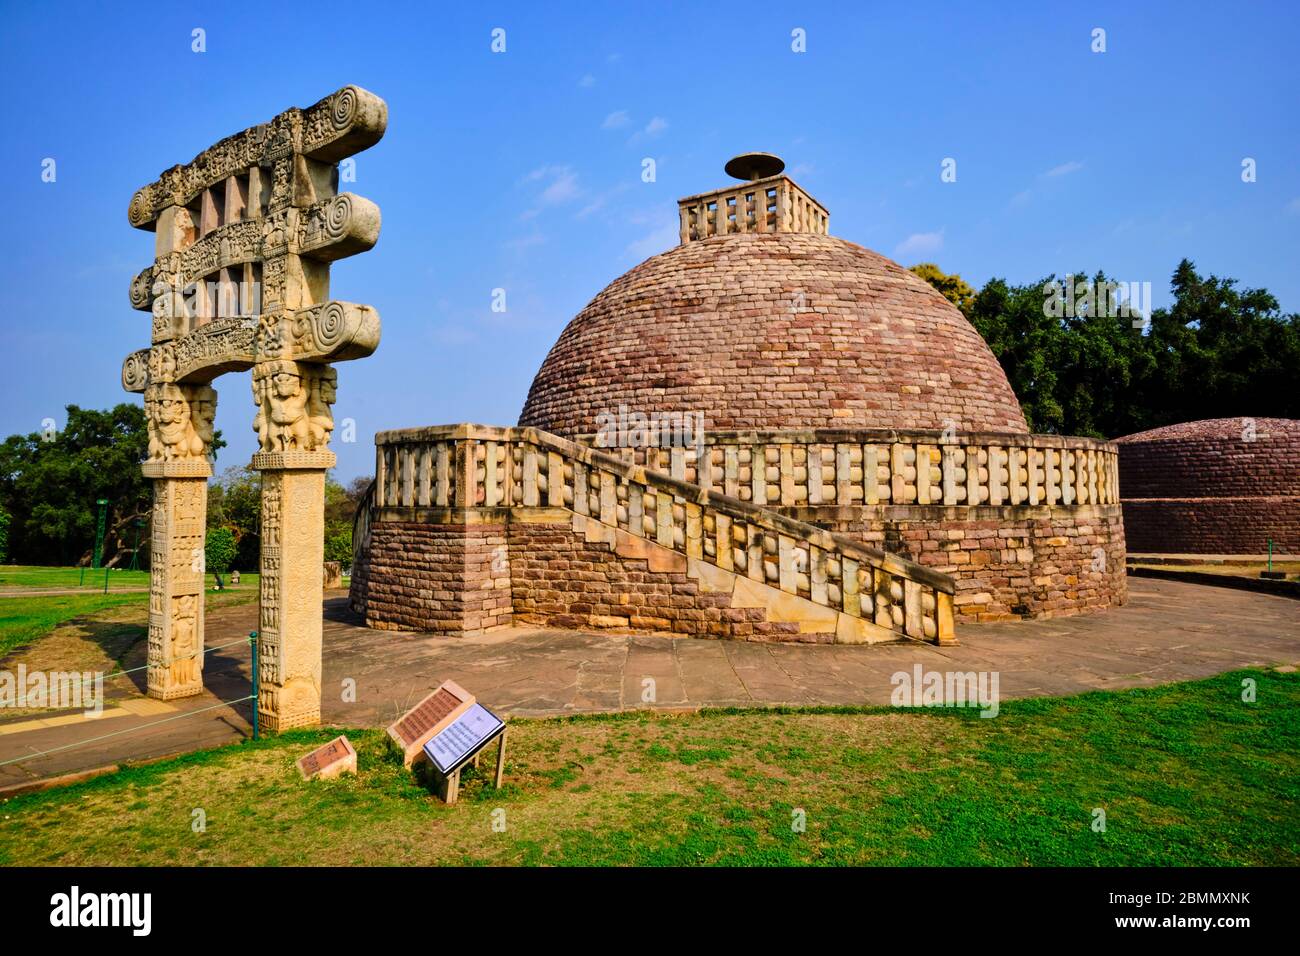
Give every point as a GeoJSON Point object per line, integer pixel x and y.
{"type": "Point", "coordinates": [1293, 207]}
{"type": "Point", "coordinates": [561, 186]}
{"type": "Point", "coordinates": [587, 81]}
{"type": "Point", "coordinates": [600, 201]}
{"type": "Point", "coordinates": [616, 120]}
{"type": "Point", "coordinates": [660, 239]}
{"type": "Point", "coordinates": [919, 244]}
{"type": "Point", "coordinates": [651, 130]}
{"type": "Point", "coordinates": [1073, 166]}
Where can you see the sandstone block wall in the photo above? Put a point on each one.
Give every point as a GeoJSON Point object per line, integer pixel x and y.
{"type": "Point", "coordinates": [1037, 562]}
{"type": "Point", "coordinates": [571, 571]}
{"type": "Point", "coordinates": [562, 580]}
{"type": "Point", "coordinates": [1007, 562]}
{"type": "Point", "coordinates": [434, 577]}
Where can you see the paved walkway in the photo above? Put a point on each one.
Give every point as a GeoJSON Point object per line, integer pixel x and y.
{"type": "Point", "coordinates": [1169, 631]}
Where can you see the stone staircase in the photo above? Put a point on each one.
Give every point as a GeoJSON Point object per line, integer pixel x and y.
{"type": "Point", "coordinates": [711, 557]}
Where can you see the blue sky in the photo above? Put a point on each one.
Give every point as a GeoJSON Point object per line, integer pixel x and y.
{"type": "Point", "coordinates": [522, 170]}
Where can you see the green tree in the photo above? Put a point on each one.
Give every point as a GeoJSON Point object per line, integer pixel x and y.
{"type": "Point", "coordinates": [951, 287]}
{"type": "Point", "coordinates": [338, 547]}
{"type": "Point", "coordinates": [4, 534]}
{"type": "Point", "coordinates": [219, 550]}
{"type": "Point", "coordinates": [235, 504]}
{"type": "Point", "coordinates": [1216, 352]}
{"type": "Point", "coordinates": [1220, 352]}
{"type": "Point", "coordinates": [49, 482]}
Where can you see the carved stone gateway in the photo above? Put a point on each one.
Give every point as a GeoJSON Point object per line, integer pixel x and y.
{"type": "Point", "coordinates": [245, 234]}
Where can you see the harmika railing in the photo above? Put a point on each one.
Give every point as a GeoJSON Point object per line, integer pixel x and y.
{"type": "Point", "coordinates": [474, 466]}
{"type": "Point", "coordinates": [773, 204]}
{"type": "Point", "coordinates": [834, 467]}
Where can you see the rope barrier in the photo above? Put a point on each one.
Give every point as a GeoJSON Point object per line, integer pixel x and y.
{"type": "Point", "coordinates": [166, 663]}
{"type": "Point", "coordinates": [129, 730]}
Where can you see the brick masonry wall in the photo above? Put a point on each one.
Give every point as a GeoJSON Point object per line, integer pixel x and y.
{"type": "Point", "coordinates": [1213, 525]}
{"type": "Point", "coordinates": [430, 577]}
{"type": "Point", "coordinates": [358, 585]}
{"type": "Point", "coordinates": [1224, 486]}
{"type": "Point", "coordinates": [1211, 460]}
{"type": "Point", "coordinates": [1007, 562]}
{"type": "Point", "coordinates": [562, 580]}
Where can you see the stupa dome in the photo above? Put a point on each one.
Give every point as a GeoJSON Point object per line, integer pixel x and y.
{"type": "Point", "coordinates": [760, 320]}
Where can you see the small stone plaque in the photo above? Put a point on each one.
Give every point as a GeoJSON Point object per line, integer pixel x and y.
{"type": "Point", "coordinates": [462, 738]}
{"type": "Point", "coordinates": [414, 728]}
{"type": "Point", "coordinates": [329, 761]}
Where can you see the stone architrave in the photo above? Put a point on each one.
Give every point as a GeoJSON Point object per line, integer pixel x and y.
{"type": "Point", "coordinates": [245, 235]}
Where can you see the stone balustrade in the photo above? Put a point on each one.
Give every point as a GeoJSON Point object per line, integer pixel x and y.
{"type": "Point", "coordinates": [427, 474]}
{"type": "Point", "coordinates": [773, 204]}
{"type": "Point", "coordinates": [834, 468]}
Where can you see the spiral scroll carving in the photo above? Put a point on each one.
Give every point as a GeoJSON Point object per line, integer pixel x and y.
{"type": "Point", "coordinates": [338, 217]}
{"type": "Point", "coordinates": [328, 325]}
{"type": "Point", "coordinates": [343, 111]}
{"type": "Point", "coordinates": [141, 287]}
{"type": "Point", "coordinates": [135, 371]}
{"type": "Point", "coordinates": [138, 211]}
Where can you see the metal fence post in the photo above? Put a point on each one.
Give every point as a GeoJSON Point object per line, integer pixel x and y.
{"type": "Point", "coordinates": [252, 640]}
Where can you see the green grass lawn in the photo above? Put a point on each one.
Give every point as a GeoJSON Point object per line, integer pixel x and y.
{"type": "Point", "coordinates": [27, 618]}
{"type": "Point", "coordinates": [21, 577]}
{"type": "Point", "coordinates": [1186, 774]}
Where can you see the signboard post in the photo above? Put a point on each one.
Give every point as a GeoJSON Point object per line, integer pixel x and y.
{"type": "Point", "coordinates": [447, 730]}
{"type": "Point", "coordinates": [460, 742]}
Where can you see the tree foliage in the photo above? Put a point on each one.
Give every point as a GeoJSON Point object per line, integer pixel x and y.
{"type": "Point", "coordinates": [952, 287]}
{"type": "Point", "coordinates": [49, 483]}
{"type": "Point", "coordinates": [1217, 352]}
{"type": "Point", "coordinates": [235, 504]}
{"type": "Point", "coordinates": [219, 550]}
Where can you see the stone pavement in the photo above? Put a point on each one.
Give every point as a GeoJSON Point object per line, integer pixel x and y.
{"type": "Point", "coordinates": [1169, 631]}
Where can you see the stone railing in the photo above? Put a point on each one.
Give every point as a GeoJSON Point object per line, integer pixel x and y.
{"type": "Point", "coordinates": [424, 472]}
{"type": "Point", "coordinates": [825, 467]}
{"type": "Point", "coordinates": [361, 524]}
{"type": "Point", "coordinates": [773, 204]}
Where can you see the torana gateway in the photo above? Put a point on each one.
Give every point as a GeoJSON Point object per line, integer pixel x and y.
{"type": "Point", "coordinates": [244, 238]}
{"type": "Point", "coordinates": [856, 467]}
